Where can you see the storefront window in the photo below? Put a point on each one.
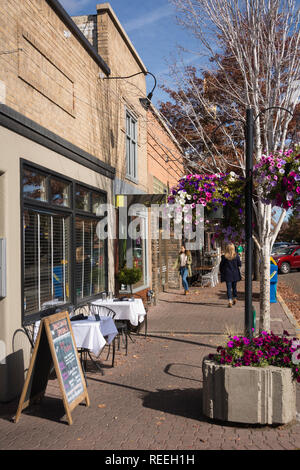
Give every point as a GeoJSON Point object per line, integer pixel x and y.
{"type": "Point", "coordinates": [139, 259]}
{"type": "Point", "coordinates": [90, 259]}
{"type": "Point", "coordinates": [46, 259]}
{"type": "Point", "coordinates": [59, 193]}
{"type": "Point", "coordinates": [82, 199]}
{"type": "Point", "coordinates": [34, 185]}
{"type": "Point", "coordinates": [97, 200]}
{"type": "Point", "coordinates": [63, 259]}
{"type": "Point", "coordinates": [133, 251]}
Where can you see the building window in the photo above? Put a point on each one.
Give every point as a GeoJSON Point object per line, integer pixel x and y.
{"type": "Point", "coordinates": [133, 251]}
{"type": "Point", "coordinates": [82, 199]}
{"type": "Point", "coordinates": [34, 185]}
{"type": "Point", "coordinates": [46, 259]}
{"type": "Point", "coordinates": [63, 258]}
{"type": "Point", "coordinates": [59, 192]}
{"type": "Point", "coordinates": [139, 256]}
{"type": "Point", "coordinates": [90, 259]}
{"type": "Point", "coordinates": [131, 146]}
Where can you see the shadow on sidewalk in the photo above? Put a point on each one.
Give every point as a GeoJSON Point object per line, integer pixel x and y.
{"type": "Point", "coordinates": [211, 304]}
{"type": "Point", "coordinates": [240, 297]}
{"type": "Point", "coordinates": [169, 338]}
{"type": "Point", "coordinates": [186, 403]}
{"type": "Point", "coordinates": [49, 408]}
{"type": "Point", "coordinates": [174, 365]}
{"type": "Point", "coordinates": [219, 295]}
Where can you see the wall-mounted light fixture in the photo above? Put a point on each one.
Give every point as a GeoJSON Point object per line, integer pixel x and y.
{"type": "Point", "coordinates": [145, 102]}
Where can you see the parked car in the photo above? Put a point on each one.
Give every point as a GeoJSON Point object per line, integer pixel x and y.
{"type": "Point", "coordinates": [279, 246]}
{"type": "Point", "coordinates": [288, 258]}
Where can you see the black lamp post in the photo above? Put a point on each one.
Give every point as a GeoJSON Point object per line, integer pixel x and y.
{"type": "Point", "coordinates": [248, 221]}
{"type": "Point", "coordinates": [145, 102]}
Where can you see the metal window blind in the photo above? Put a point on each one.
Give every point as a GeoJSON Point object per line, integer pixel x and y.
{"type": "Point", "coordinates": [46, 259]}
{"type": "Point", "coordinates": [90, 259]}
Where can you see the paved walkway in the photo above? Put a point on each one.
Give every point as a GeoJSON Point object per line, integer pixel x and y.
{"type": "Point", "coordinates": [152, 398]}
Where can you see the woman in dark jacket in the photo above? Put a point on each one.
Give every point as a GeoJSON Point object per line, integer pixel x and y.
{"type": "Point", "coordinates": [230, 272]}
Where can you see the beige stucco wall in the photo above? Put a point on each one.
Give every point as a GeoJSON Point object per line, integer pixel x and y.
{"type": "Point", "coordinates": [14, 346]}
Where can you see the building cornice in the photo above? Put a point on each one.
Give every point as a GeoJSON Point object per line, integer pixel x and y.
{"type": "Point", "coordinates": [16, 122]}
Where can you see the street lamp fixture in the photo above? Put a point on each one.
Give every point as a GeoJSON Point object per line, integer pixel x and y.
{"type": "Point", "coordinates": [145, 101]}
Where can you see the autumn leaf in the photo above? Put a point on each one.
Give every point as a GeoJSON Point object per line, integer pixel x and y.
{"type": "Point", "coordinates": [102, 405]}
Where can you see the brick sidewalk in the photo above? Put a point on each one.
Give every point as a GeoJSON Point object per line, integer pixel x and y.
{"type": "Point", "coordinates": [152, 398]}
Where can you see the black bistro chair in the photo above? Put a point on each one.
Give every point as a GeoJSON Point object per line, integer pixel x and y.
{"type": "Point", "coordinates": [81, 313]}
{"type": "Point", "coordinates": [123, 333]}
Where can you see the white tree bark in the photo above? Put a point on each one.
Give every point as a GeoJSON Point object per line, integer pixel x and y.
{"type": "Point", "coordinates": [263, 37]}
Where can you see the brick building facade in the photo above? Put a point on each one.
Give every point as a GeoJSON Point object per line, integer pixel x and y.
{"type": "Point", "coordinates": [165, 168]}
{"type": "Point", "coordinates": [72, 138]}
{"type": "Point", "coordinates": [63, 131]}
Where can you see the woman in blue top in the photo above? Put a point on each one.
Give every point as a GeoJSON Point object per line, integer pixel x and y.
{"type": "Point", "coordinates": [230, 272]}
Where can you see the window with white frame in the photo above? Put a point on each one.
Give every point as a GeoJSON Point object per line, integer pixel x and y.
{"type": "Point", "coordinates": [131, 146]}
{"type": "Point", "coordinates": [133, 251]}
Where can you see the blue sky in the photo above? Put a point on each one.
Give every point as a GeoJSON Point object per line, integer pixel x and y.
{"type": "Point", "coordinates": [152, 28]}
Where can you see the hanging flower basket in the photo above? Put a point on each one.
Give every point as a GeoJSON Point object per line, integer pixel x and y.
{"type": "Point", "coordinates": [222, 197]}
{"type": "Point", "coordinates": [277, 179]}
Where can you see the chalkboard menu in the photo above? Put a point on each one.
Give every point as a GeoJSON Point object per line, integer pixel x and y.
{"type": "Point", "coordinates": [55, 346]}
{"type": "Point", "coordinates": [67, 359]}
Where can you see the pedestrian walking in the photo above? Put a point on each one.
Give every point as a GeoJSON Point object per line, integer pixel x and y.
{"type": "Point", "coordinates": [230, 272]}
{"type": "Point", "coordinates": [184, 263]}
{"type": "Point", "coordinates": [240, 251]}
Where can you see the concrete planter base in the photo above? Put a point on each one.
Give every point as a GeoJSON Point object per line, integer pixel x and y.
{"type": "Point", "coordinates": [253, 395]}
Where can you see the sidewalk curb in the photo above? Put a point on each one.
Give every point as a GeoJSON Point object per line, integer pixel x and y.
{"type": "Point", "coordinates": [289, 315]}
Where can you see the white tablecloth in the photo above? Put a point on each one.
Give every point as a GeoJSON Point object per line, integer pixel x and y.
{"type": "Point", "coordinates": [133, 311]}
{"type": "Point", "coordinates": [107, 327]}
{"type": "Point", "coordinates": [89, 334]}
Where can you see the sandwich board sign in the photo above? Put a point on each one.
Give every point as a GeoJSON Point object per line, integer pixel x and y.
{"type": "Point", "coordinates": [55, 345]}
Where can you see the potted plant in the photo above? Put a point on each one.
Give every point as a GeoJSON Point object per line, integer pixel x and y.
{"type": "Point", "coordinates": [129, 276]}
{"type": "Point", "coordinates": [252, 380]}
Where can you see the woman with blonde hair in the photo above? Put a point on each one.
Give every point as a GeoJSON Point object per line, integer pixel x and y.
{"type": "Point", "coordinates": [230, 272]}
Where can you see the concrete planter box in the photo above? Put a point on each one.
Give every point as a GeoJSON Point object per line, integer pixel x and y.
{"type": "Point", "coordinates": [253, 395]}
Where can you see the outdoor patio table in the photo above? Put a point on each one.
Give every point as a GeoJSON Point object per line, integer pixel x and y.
{"type": "Point", "coordinates": [90, 334]}
{"type": "Point", "coordinates": [133, 311]}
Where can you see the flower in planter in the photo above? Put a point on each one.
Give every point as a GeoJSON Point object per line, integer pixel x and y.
{"type": "Point", "coordinates": [129, 276]}
{"type": "Point", "coordinates": [260, 351]}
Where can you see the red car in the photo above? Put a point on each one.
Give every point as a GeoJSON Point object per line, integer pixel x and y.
{"type": "Point", "coordinates": [288, 258]}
